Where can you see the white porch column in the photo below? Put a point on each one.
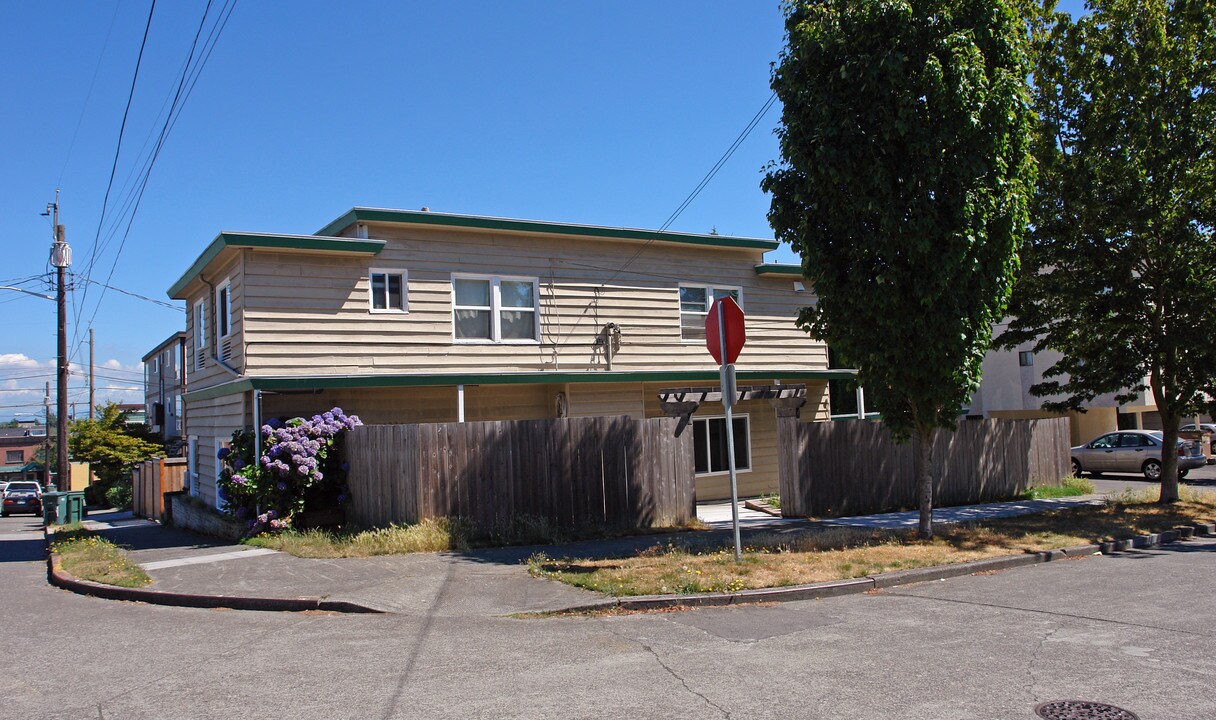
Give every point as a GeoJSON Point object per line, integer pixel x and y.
{"type": "Point", "coordinates": [460, 403]}
{"type": "Point", "coordinates": [861, 403]}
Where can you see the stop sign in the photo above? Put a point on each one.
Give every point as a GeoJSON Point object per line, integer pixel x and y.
{"type": "Point", "coordinates": [731, 323]}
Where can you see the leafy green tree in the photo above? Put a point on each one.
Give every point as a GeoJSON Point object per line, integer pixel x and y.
{"type": "Point", "coordinates": [1121, 266]}
{"type": "Point", "coordinates": [904, 185]}
{"type": "Point", "coordinates": [110, 446]}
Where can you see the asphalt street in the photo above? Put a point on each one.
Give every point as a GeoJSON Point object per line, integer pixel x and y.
{"type": "Point", "coordinates": [1134, 630]}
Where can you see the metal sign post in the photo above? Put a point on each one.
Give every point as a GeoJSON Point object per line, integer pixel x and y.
{"type": "Point", "coordinates": [726, 355]}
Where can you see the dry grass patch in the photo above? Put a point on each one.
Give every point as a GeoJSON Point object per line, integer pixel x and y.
{"type": "Point", "coordinates": [823, 554]}
{"type": "Point", "coordinates": [432, 535]}
{"type": "Point", "coordinates": [89, 557]}
{"type": "Point", "coordinates": [427, 536]}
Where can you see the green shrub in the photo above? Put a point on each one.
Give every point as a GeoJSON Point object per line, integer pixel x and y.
{"type": "Point", "coordinates": [119, 496]}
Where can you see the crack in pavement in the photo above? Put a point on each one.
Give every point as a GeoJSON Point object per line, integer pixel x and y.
{"type": "Point", "coordinates": [1053, 613]}
{"type": "Point", "coordinates": [1033, 681]}
{"type": "Point", "coordinates": [725, 713]}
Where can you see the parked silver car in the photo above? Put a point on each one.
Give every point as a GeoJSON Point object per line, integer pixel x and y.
{"type": "Point", "coordinates": [1133, 451]}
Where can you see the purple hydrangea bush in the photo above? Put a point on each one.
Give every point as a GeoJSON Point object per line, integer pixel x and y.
{"type": "Point", "coordinates": [301, 465]}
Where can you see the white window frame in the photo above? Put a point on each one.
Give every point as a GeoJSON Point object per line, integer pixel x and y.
{"type": "Point", "coordinates": [192, 464]}
{"type": "Point", "coordinates": [223, 320]}
{"type": "Point", "coordinates": [709, 301]}
{"type": "Point", "coordinates": [496, 309]}
{"type": "Point", "coordinates": [747, 425]}
{"type": "Point", "coordinates": [199, 318]}
{"type": "Point", "coordinates": [405, 295]}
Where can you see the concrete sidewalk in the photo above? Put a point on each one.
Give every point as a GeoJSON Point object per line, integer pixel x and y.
{"type": "Point", "coordinates": [488, 582]}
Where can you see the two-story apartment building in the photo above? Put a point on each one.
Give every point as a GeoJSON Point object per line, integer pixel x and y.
{"type": "Point", "coordinates": [1004, 393]}
{"type": "Point", "coordinates": [414, 316]}
{"type": "Point", "coordinates": [164, 381]}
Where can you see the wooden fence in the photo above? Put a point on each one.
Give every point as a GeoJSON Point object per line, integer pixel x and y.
{"type": "Point", "coordinates": [150, 480]}
{"type": "Point", "coordinates": [578, 472]}
{"type": "Point", "coordinates": [838, 469]}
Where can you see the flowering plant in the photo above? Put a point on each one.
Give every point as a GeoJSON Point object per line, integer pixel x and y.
{"type": "Point", "coordinates": [300, 465]}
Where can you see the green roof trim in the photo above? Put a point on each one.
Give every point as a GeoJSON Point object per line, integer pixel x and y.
{"type": "Point", "coordinates": [782, 269]}
{"type": "Point", "coordinates": [420, 217]}
{"type": "Point", "coordinates": [310, 243]}
{"type": "Point", "coordinates": [312, 382]}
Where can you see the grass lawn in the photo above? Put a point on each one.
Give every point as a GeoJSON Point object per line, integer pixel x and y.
{"type": "Point", "coordinates": [822, 554]}
{"type": "Point", "coordinates": [93, 558]}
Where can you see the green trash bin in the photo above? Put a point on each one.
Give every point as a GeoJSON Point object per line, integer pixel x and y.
{"type": "Point", "coordinates": [71, 507]}
{"type": "Point", "coordinates": [50, 508]}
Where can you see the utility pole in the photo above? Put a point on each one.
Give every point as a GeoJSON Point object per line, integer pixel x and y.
{"type": "Point", "coordinates": [92, 387]}
{"type": "Point", "coordinates": [61, 258]}
{"type": "Point", "coordinates": [46, 441]}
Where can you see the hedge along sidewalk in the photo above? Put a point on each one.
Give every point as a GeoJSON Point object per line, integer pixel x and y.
{"type": "Point", "coordinates": [835, 588]}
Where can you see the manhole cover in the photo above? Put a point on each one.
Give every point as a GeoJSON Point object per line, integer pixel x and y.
{"type": "Point", "coordinates": [1082, 710]}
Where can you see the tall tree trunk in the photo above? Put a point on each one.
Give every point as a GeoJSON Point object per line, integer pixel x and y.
{"type": "Point", "coordinates": [1169, 458]}
{"type": "Point", "coordinates": [924, 483]}
{"type": "Point", "coordinates": [1170, 421]}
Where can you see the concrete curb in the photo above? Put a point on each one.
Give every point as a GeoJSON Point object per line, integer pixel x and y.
{"type": "Point", "coordinates": [892, 579]}
{"type": "Point", "coordinates": [57, 577]}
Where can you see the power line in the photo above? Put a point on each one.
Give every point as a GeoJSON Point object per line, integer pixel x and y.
{"type": "Point", "coordinates": [162, 303]}
{"type": "Point", "coordinates": [751, 125]}
{"type": "Point", "coordinates": [89, 95]}
{"type": "Point", "coordinates": [118, 149]}
{"type": "Point", "coordinates": [190, 76]}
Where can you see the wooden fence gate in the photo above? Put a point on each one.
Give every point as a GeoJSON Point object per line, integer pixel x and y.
{"type": "Point", "coordinates": [613, 472]}
{"type": "Point", "coordinates": [837, 469]}
{"type": "Point", "coordinates": [150, 480]}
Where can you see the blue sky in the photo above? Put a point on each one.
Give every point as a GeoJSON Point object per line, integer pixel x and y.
{"type": "Point", "coordinates": [606, 113]}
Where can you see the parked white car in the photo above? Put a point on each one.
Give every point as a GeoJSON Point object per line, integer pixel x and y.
{"type": "Point", "coordinates": [1133, 451]}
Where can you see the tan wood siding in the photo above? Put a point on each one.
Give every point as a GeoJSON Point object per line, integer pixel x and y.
{"type": "Point", "coordinates": [212, 373]}
{"type": "Point", "coordinates": [304, 314]}
{"type": "Point", "coordinates": [211, 420]}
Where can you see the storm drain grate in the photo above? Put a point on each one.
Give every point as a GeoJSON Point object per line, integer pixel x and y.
{"type": "Point", "coordinates": [1082, 710]}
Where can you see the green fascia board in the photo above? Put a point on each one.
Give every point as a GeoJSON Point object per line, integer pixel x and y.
{"type": "Point", "coordinates": [417, 217]}
{"type": "Point", "coordinates": [782, 269]}
{"type": "Point", "coordinates": [311, 243]}
{"type": "Point", "coordinates": [314, 382]}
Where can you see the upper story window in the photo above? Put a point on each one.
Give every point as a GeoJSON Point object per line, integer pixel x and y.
{"type": "Point", "coordinates": [386, 291]}
{"type": "Point", "coordinates": [223, 309]}
{"type": "Point", "coordinates": [495, 309]}
{"type": "Point", "coordinates": [14, 456]}
{"type": "Point", "coordinates": [200, 334]}
{"type": "Point", "coordinates": [1026, 358]}
{"type": "Point", "coordinates": [695, 301]}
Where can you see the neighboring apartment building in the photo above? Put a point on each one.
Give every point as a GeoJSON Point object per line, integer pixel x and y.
{"type": "Point", "coordinates": [164, 380]}
{"type": "Point", "coordinates": [1004, 393]}
{"type": "Point", "coordinates": [413, 316]}
{"type": "Point", "coordinates": [20, 448]}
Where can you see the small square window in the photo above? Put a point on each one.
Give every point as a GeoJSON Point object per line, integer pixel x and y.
{"type": "Point", "coordinates": [387, 291]}
{"type": "Point", "coordinates": [1026, 358]}
{"type": "Point", "coordinates": [695, 301]}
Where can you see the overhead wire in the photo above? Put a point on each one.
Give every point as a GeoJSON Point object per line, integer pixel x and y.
{"type": "Point", "coordinates": [191, 76]}
{"type": "Point", "coordinates": [118, 148]}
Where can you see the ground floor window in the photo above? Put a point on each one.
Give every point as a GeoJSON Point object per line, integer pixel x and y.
{"type": "Point", "coordinates": [220, 503]}
{"type": "Point", "coordinates": [709, 444]}
{"type": "Point", "coordinates": [192, 464]}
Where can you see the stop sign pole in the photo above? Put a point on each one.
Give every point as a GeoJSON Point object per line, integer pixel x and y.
{"type": "Point", "coordinates": [724, 324]}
